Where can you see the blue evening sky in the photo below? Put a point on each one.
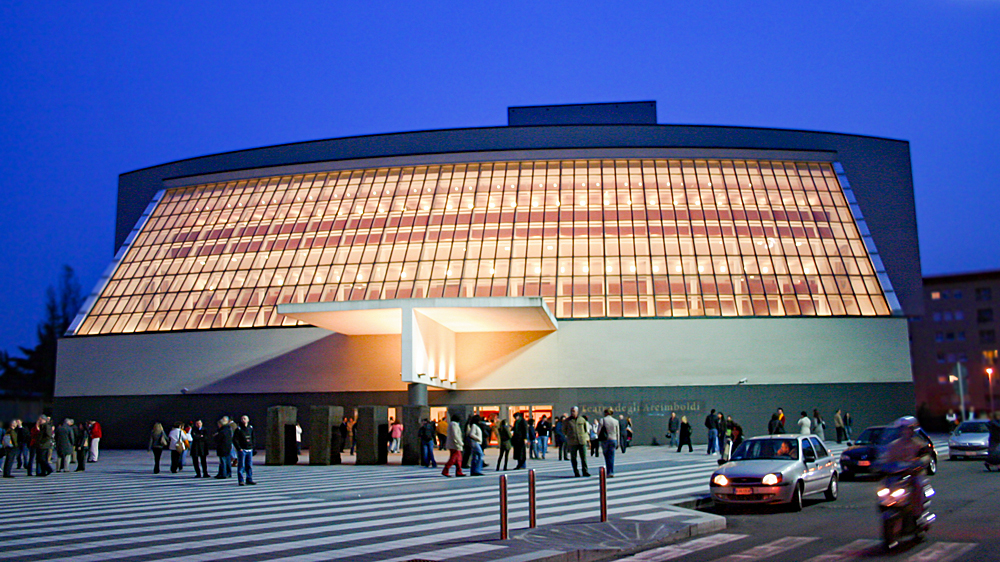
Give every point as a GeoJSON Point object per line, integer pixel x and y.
{"type": "Point", "coordinates": [89, 90]}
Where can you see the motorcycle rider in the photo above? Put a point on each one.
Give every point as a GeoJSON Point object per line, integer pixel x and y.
{"type": "Point", "coordinates": [901, 455]}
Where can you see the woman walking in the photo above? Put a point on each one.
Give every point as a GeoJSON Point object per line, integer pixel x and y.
{"type": "Point", "coordinates": [685, 435]}
{"type": "Point", "coordinates": [157, 442]}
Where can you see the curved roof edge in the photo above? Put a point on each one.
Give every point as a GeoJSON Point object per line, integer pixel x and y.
{"type": "Point", "coordinates": [398, 134]}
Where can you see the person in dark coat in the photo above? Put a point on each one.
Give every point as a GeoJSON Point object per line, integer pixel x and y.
{"type": "Point", "coordinates": [199, 450]}
{"type": "Point", "coordinates": [774, 426]}
{"type": "Point", "coordinates": [685, 435]}
{"type": "Point", "coordinates": [64, 445]}
{"type": "Point", "coordinates": [81, 437]}
{"type": "Point", "coordinates": [504, 436]}
{"type": "Point", "coordinates": [520, 434]}
{"type": "Point", "coordinates": [224, 448]}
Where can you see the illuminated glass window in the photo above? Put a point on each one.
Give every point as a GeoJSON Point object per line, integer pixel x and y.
{"type": "Point", "coordinates": [593, 238]}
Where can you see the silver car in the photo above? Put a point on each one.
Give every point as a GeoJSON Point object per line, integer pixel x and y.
{"type": "Point", "coordinates": [776, 469]}
{"type": "Point", "coordinates": [970, 439]}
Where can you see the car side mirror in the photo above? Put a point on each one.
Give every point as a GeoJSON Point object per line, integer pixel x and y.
{"type": "Point", "coordinates": [809, 456]}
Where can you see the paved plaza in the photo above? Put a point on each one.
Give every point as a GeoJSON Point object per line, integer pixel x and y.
{"type": "Point", "coordinates": [119, 510]}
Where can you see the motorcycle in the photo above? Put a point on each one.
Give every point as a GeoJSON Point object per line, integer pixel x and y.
{"type": "Point", "coordinates": [903, 508]}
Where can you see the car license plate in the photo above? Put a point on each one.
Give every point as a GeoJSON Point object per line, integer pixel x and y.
{"type": "Point", "coordinates": [743, 491]}
{"type": "Point", "coordinates": [864, 463]}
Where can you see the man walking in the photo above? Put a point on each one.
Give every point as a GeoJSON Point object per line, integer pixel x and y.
{"type": "Point", "coordinates": [838, 424]}
{"type": "Point", "coordinates": [44, 447]}
{"type": "Point", "coordinates": [711, 423]}
{"type": "Point", "coordinates": [243, 440]}
{"type": "Point", "coordinates": [673, 429]}
{"type": "Point", "coordinates": [199, 450]}
{"type": "Point", "coordinates": [577, 437]}
{"type": "Point", "coordinates": [609, 435]}
{"type": "Point", "coordinates": [542, 431]}
{"type": "Point", "coordinates": [426, 434]}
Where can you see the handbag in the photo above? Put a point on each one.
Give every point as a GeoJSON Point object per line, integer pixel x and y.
{"type": "Point", "coordinates": [602, 435]}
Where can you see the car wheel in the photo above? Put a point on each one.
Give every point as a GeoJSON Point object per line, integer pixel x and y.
{"type": "Point", "coordinates": [833, 489]}
{"type": "Point", "coordinates": [951, 457]}
{"type": "Point", "coordinates": [796, 503]}
{"type": "Point", "coordinates": [846, 476]}
{"type": "Point", "coordinates": [932, 466]}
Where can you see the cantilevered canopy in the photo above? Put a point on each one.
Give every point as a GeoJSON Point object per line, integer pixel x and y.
{"type": "Point", "coordinates": [427, 326]}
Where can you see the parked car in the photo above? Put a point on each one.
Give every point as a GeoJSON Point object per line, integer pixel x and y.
{"type": "Point", "coordinates": [860, 456]}
{"type": "Point", "coordinates": [971, 439]}
{"type": "Point", "coordinates": [776, 469]}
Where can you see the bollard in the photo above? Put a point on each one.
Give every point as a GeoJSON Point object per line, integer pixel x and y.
{"type": "Point", "coordinates": [604, 495]}
{"type": "Point", "coordinates": [531, 498]}
{"type": "Point", "coordinates": [503, 507]}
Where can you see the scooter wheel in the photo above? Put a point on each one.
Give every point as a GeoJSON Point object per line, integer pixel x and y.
{"type": "Point", "coordinates": [890, 534]}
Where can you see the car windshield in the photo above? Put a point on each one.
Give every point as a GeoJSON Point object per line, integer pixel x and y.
{"type": "Point", "coordinates": [869, 436]}
{"type": "Point", "coordinates": [767, 449]}
{"type": "Point", "coordinates": [972, 427]}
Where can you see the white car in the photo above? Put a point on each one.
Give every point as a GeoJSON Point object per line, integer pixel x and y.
{"type": "Point", "coordinates": [776, 469]}
{"type": "Point", "coordinates": [971, 439]}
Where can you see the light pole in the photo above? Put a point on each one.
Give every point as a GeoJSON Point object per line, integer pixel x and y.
{"type": "Point", "coordinates": [989, 375]}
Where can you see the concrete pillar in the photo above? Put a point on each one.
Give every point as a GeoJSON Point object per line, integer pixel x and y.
{"type": "Point", "coordinates": [281, 447]}
{"type": "Point", "coordinates": [324, 434]}
{"type": "Point", "coordinates": [372, 434]}
{"type": "Point", "coordinates": [417, 394]}
{"type": "Point", "coordinates": [412, 415]}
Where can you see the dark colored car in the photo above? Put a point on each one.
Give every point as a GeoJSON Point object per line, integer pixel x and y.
{"type": "Point", "coordinates": [860, 457]}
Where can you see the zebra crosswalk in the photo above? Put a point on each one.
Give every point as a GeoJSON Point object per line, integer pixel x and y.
{"type": "Point", "coordinates": [118, 510]}
{"type": "Point", "coordinates": [785, 549]}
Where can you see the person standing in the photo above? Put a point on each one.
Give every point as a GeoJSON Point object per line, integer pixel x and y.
{"type": "Point", "coordinates": [426, 434]}
{"type": "Point", "coordinates": [442, 433]}
{"type": "Point", "coordinates": [454, 443]}
{"type": "Point", "coordinates": [838, 425]}
{"type": "Point", "coordinates": [711, 424]}
{"type": "Point", "coordinates": [199, 450]}
{"type": "Point", "coordinates": [243, 440]}
{"type": "Point", "coordinates": [595, 444]}
{"type": "Point", "coordinates": [158, 441]}
{"type": "Point", "coordinates": [685, 435]}
{"type": "Point", "coordinates": [847, 425]}
{"type": "Point", "coordinates": [951, 419]}
{"type": "Point", "coordinates": [224, 448]}
{"type": "Point", "coordinates": [542, 430]}
{"type": "Point", "coordinates": [178, 445]}
{"type": "Point", "coordinates": [625, 425]}
{"type": "Point", "coordinates": [81, 436]}
{"type": "Point", "coordinates": [610, 428]}
{"type": "Point", "coordinates": [781, 419]}
{"type": "Point", "coordinates": [45, 443]}
{"type": "Point", "coordinates": [720, 423]}
{"type": "Point", "coordinates": [475, 435]}
{"type": "Point", "coordinates": [673, 427]}
{"type": "Point", "coordinates": [504, 435]}
{"type": "Point", "coordinates": [818, 425]}
{"type": "Point", "coordinates": [64, 445]}
{"type": "Point", "coordinates": [95, 440]}
{"type": "Point", "coordinates": [805, 424]}
{"type": "Point", "coordinates": [577, 437]}
{"type": "Point", "coordinates": [395, 432]}
{"type": "Point", "coordinates": [23, 441]}
{"type": "Point", "coordinates": [520, 435]}
{"type": "Point", "coordinates": [560, 436]}
{"type": "Point", "coordinates": [9, 444]}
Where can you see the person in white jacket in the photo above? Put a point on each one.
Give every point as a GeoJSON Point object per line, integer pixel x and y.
{"type": "Point", "coordinates": [454, 443]}
{"type": "Point", "coordinates": [475, 436]}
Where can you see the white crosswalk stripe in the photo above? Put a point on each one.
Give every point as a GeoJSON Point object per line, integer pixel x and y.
{"type": "Point", "coordinates": [299, 514]}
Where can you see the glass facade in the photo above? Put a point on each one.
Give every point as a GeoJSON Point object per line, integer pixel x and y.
{"type": "Point", "coordinates": [594, 238]}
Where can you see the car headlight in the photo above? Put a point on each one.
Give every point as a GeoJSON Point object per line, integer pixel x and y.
{"type": "Point", "coordinates": [771, 479]}
{"type": "Point", "coordinates": [720, 480]}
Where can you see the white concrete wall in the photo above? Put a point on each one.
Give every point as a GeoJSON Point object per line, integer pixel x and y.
{"type": "Point", "coordinates": [581, 354]}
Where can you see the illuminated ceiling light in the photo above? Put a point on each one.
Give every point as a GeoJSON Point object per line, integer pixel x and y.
{"type": "Point", "coordinates": [558, 203]}
{"type": "Point", "coordinates": [586, 269]}
{"type": "Point", "coordinates": [640, 184]}
{"type": "Point", "coordinates": [562, 270]}
{"type": "Point", "coordinates": [631, 268]}
{"type": "Point", "coordinates": [701, 269]}
{"type": "Point", "coordinates": [513, 204]}
{"type": "Point", "coordinates": [360, 277]}
{"type": "Point", "coordinates": [491, 205]}
{"type": "Point", "coordinates": [507, 248]}
{"type": "Point", "coordinates": [492, 271]}
{"type": "Point", "coordinates": [402, 275]}
{"type": "Point", "coordinates": [549, 247]}
{"type": "Point", "coordinates": [535, 205]}
{"type": "Point", "coordinates": [652, 201]}
{"type": "Point", "coordinates": [538, 269]}
{"type": "Point", "coordinates": [448, 272]}
{"type": "Point", "coordinates": [609, 269]}
{"type": "Point", "coordinates": [722, 269]}
{"type": "Point", "coordinates": [764, 270]}
{"type": "Point", "coordinates": [677, 269]}
{"type": "Point", "coordinates": [656, 269]}
{"type": "Point", "coordinates": [471, 206]}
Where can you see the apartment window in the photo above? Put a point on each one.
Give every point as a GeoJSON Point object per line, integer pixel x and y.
{"type": "Point", "coordinates": [960, 336]}
{"type": "Point", "coordinates": [935, 295]}
{"type": "Point", "coordinates": [950, 358]}
{"type": "Point", "coordinates": [940, 357]}
{"type": "Point", "coordinates": [984, 315]}
{"type": "Point", "coordinates": [959, 315]}
{"type": "Point", "coordinates": [963, 358]}
{"type": "Point", "coordinates": [936, 316]}
{"type": "Point", "coordinates": [957, 294]}
{"type": "Point", "coordinates": [947, 316]}
{"type": "Point", "coordinates": [987, 336]}
{"type": "Point", "coordinates": [950, 336]}
{"type": "Point", "coordinates": [939, 337]}
{"type": "Point", "coordinates": [984, 294]}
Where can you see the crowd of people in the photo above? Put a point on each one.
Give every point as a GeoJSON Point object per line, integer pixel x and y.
{"type": "Point", "coordinates": [813, 425]}
{"type": "Point", "coordinates": [233, 442]}
{"type": "Point", "coordinates": [36, 447]}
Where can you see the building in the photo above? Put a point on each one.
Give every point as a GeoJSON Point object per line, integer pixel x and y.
{"type": "Point", "coordinates": [580, 255]}
{"type": "Point", "coordinates": [959, 326]}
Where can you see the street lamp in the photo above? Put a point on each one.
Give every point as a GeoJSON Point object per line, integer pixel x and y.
{"type": "Point", "coordinates": [989, 375]}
